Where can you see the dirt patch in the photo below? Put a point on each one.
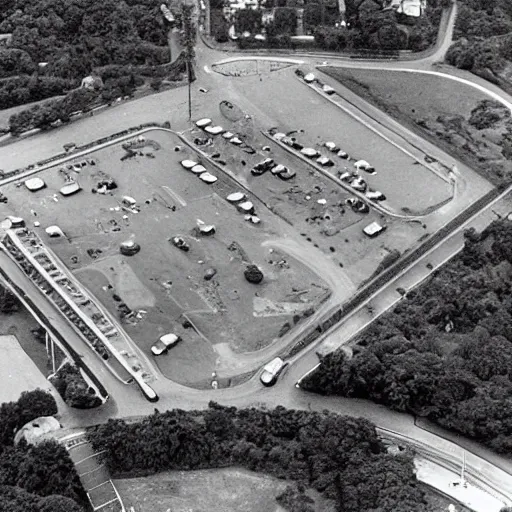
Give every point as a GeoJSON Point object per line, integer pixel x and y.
{"type": "Point", "coordinates": [425, 103]}
{"type": "Point", "coordinates": [231, 490]}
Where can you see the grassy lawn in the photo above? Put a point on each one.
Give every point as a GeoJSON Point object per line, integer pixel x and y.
{"type": "Point", "coordinates": [437, 109]}
{"type": "Point", "coordinates": [226, 490]}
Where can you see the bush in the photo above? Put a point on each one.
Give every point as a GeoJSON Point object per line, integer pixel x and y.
{"type": "Point", "coordinates": [253, 274]}
{"type": "Point", "coordinates": [73, 388]}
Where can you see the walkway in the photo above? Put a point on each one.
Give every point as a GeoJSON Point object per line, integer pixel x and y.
{"type": "Point", "coordinates": [93, 473]}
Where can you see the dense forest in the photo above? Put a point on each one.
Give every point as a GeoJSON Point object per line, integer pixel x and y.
{"type": "Point", "coordinates": [38, 478]}
{"type": "Point", "coordinates": [339, 456]}
{"type": "Point", "coordinates": [445, 351]}
{"type": "Point", "coordinates": [483, 40]}
{"type": "Point", "coordinates": [56, 43]}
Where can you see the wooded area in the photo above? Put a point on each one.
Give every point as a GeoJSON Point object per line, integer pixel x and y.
{"type": "Point", "coordinates": [339, 456]}
{"type": "Point", "coordinates": [39, 478]}
{"type": "Point", "coordinates": [483, 34]}
{"type": "Point", "coordinates": [445, 351]}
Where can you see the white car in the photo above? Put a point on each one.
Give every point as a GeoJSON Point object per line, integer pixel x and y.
{"type": "Point", "coordinates": [188, 164]}
{"type": "Point", "coordinates": [164, 343]}
{"type": "Point", "coordinates": [208, 178]}
{"type": "Point", "coordinates": [271, 371]}
{"type": "Point", "coordinates": [310, 77]}
{"type": "Point", "coordinates": [202, 123]}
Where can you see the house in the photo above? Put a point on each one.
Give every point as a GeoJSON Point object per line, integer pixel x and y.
{"type": "Point", "coordinates": [92, 82]}
{"type": "Point", "coordinates": [413, 8]}
{"type": "Point", "coordinates": [5, 39]}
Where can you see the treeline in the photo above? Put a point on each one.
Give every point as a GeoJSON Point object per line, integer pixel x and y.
{"type": "Point", "coordinates": [39, 478]}
{"type": "Point", "coordinates": [19, 90]}
{"type": "Point", "coordinates": [483, 34]}
{"type": "Point", "coordinates": [112, 82]}
{"type": "Point", "coordinates": [339, 456]}
{"type": "Point", "coordinates": [445, 351]}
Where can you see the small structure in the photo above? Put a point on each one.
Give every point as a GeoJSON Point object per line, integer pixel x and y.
{"type": "Point", "coordinates": [324, 161]}
{"type": "Point", "coordinates": [180, 243]}
{"type": "Point", "coordinates": [129, 201]}
{"type": "Point", "coordinates": [35, 184]}
{"type": "Point", "coordinates": [13, 222]}
{"type": "Point", "coordinates": [92, 82]}
{"type": "Point", "coordinates": [37, 430]}
{"type": "Point", "coordinates": [70, 189]}
{"type": "Point", "coordinates": [129, 248]}
{"type": "Point", "coordinates": [203, 123]}
{"type": "Point", "coordinates": [208, 178]}
{"type": "Point", "coordinates": [328, 89]}
{"type": "Point", "coordinates": [309, 152]}
{"type": "Point", "coordinates": [198, 169]}
{"type": "Point", "coordinates": [373, 229]}
{"type": "Point", "coordinates": [214, 130]}
{"type": "Point", "coordinates": [246, 207]}
{"type": "Point", "coordinates": [236, 197]}
{"type": "Point", "coordinates": [54, 232]}
{"type": "Point", "coordinates": [278, 169]}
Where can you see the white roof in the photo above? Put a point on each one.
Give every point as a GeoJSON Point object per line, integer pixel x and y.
{"type": "Point", "coordinates": [198, 169]}
{"type": "Point", "coordinates": [34, 184]}
{"type": "Point", "coordinates": [235, 197]}
{"type": "Point", "coordinates": [373, 228]}
{"type": "Point", "coordinates": [203, 122]}
{"type": "Point", "coordinates": [167, 339]}
{"type": "Point", "coordinates": [54, 231]}
{"type": "Point", "coordinates": [188, 164]}
{"type": "Point", "coordinates": [214, 130]}
{"type": "Point", "coordinates": [361, 163]}
{"type": "Point", "coordinates": [208, 178]}
{"type": "Point", "coordinates": [309, 151]}
{"type": "Point", "coordinates": [247, 206]}
{"type": "Point", "coordinates": [274, 366]}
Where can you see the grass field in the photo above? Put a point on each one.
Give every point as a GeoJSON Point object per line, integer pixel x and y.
{"type": "Point", "coordinates": [435, 108]}
{"type": "Point", "coordinates": [161, 282]}
{"type": "Point", "coordinates": [226, 490]}
{"type": "Point", "coordinates": [230, 489]}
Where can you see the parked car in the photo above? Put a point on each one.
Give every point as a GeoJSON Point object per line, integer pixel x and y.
{"type": "Point", "coordinates": [271, 371]}
{"type": "Point", "coordinates": [165, 342]}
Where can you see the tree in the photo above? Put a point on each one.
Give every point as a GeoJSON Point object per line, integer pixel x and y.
{"type": "Point", "coordinates": [285, 21]}
{"type": "Point", "coordinates": [56, 503]}
{"type": "Point", "coordinates": [248, 20]}
{"type": "Point", "coordinates": [8, 302]}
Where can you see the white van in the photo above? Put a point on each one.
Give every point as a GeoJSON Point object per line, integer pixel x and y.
{"type": "Point", "coordinates": [271, 371]}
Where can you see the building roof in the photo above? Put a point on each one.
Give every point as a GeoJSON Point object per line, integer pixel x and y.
{"type": "Point", "coordinates": [37, 430]}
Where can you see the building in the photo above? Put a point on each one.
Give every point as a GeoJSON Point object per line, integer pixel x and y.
{"type": "Point", "coordinates": [413, 8]}
{"type": "Point", "coordinates": [5, 39]}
